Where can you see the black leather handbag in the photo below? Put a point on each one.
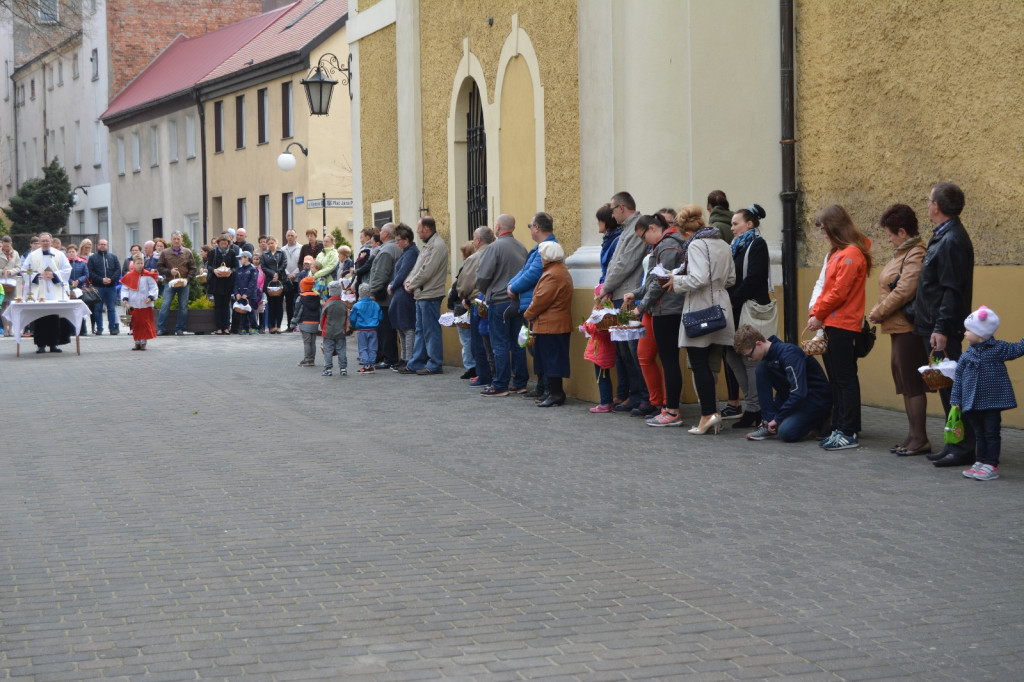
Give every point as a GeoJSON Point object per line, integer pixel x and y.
{"type": "Point", "coordinates": [705, 321]}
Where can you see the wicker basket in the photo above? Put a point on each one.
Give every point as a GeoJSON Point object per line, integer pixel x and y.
{"type": "Point", "coordinates": [177, 283]}
{"type": "Point", "coordinates": [814, 345]}
{"type": "Point", "coordinates": [239, 307]}
{"type": "Point", "coordinates": [935, 379]}
{"type": "Point", "coordinates": [222, 272]}
{"type": "Point", "coordinates": [607, 322]}
{"type": "Point", "coordinates": [201, 277]}
{"type": "Point", "coordinates": [275, 290]}
{"type": "Point", "coordinates": [481, 309]}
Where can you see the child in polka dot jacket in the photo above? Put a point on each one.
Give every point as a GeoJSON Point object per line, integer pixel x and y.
{"type": "Point", "coordinates": [982, 389]}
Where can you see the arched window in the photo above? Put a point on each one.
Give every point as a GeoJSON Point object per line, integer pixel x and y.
{"type": "Point", "coordinates": [476, 163]}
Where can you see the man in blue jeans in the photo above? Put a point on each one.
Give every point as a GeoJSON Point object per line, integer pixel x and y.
{"type": "Point", "coordinates": [500, 262]}
{"type": "Point", "coordinates": [426, 283]}
{"type": "Point", "coordinates": [792, 387]}
{"type": "Point", "coordinates": [105, 271]}
{"type": "Point", "coordinates": [175, 262]}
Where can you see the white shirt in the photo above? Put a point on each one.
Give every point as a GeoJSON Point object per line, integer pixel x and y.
{"type": "Point", "coordinates": [50, 290]}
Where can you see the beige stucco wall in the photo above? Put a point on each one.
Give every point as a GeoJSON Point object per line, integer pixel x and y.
{"type": "Point", "coordinates": [378, 118]}
{"type": "Point", "coordinates": [551, 28]}
{"type": "Point", "coordinates": [253, 171]}
{"type": "Point", "coordinates": [894, 97]}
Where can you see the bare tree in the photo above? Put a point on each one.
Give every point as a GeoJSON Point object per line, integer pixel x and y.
{"type": "Point", "coordinates": [41, 25]}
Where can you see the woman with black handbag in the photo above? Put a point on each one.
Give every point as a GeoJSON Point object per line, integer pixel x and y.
{"type": "Point", "coordinates": [707, 313]}
{"type": "Point", "coordinates": [897, 286]}
{"type": "Point", "coordinates": [750, 293]}
{"type": "Point", "coordinates": [839, 310]}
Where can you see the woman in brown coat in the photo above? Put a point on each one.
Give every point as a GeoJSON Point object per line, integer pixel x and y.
{"type": "Point", "coordinates": [897, 286]}
{"type": "Point", "coordinates": [550, 316]}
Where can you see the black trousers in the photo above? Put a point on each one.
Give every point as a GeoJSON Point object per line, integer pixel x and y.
{"type": "Point", "coordinates": [387, 342]}
{"type": "Point", "coordinates": [703, 379]}
{"type": "Point", "coordinates": [841, 367]}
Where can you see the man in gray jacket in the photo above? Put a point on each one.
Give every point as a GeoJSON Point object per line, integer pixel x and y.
{"type": "Point", "coordinates": [426, 283]}
{"type": "Point", "coordinates": [500, 262]}
{"type": "Point", "coordinates": [381, 272]}
{"type": "Point", "coordinates": [625, 271]}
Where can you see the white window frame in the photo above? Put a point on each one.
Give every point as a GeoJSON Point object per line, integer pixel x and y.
{"type": "Point", "coordinates": [172, 141]}
{"type": "Point", "coordinates": [74, 66]}
{"type": "Point", "coordinates": [190, 136]}
{"type": "Point", "coordinates": [120, 154]}
{"type": "Point", "coordinates": [131, 236]}
{"type": "Point", "coordinates": [136, 152]}
{"type": "Point", "coordinates": [95, 59]}
{"type": "Point", "coordinates": [60, 72]}
{"type": "Point", "coordinates": [49, 11]}
{"type": "Point", "coordinates": [154, 146]}
{"type": "Point", "coordinates": [190, 226]}
{"type": "Point", "coordinates": [78, 145]}
{"type": "Point", "coordinates": [97, 144]}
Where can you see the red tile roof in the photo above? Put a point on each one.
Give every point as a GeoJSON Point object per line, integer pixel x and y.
{"type": "Point", "coordinates": [187, 62]}
{"type": "Point", "coordinates": [304, 21]}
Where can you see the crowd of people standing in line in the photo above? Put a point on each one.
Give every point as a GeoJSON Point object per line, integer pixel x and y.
{"type": "Point", "coordinates": [671, 266]}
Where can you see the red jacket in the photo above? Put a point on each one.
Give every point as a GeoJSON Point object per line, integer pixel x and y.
{"type": "Point", "coordinates": [841, 302]}
{"type": "Point", "coordinates": [600, 347]}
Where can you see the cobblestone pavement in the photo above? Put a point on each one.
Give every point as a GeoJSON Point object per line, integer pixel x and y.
{"type": "Point", "coordinates": [208, 510]}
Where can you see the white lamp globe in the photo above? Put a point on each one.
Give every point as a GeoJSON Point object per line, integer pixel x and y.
{"type": "Point", "coordinates": [286, 161]}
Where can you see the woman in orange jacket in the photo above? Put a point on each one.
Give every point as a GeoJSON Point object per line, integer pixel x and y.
{"type": "Point", "coordinates": [839, 309]}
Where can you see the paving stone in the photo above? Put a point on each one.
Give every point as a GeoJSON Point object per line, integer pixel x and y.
{"type": "Point", "coordinates": [320, 538]}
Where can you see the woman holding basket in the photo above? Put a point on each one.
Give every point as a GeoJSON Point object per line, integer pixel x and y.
{"type": "Point", "coordinates": [274, 264]}
{"type": "Point", "coordinates": [839, 310]}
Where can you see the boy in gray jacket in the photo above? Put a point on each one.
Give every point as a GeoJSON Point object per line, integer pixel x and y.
{"type": "Point", "coordinates": [333, 320]}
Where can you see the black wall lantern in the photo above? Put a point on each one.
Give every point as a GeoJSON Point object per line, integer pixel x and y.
{"type": "Point", "coordinates": [320, 86]}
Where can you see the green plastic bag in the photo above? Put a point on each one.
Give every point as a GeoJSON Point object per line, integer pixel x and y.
{"type": "Point", "coordinates": [954, 431]}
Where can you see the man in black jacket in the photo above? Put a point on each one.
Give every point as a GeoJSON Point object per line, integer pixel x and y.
{"type": "Point", "coordinates": [105, 271]}
{"type": "Point", "coordinates": [944, 290]}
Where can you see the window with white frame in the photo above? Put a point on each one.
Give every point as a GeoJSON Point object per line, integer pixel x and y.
{"type": "Point", "coordinates": [63, 145]}
{"type": "Point", "coordinates": [50, 80]}
{"type": "Point", "coordinates": [81, 221]}
{"type": "Point", "coordinates": [131, 235]}
{"type": "Point", "coordinates": [34, 161]}
{"type": "Point", "coordinates": [239, 121]}
{"type": "Point", "coordinates": [74, 65]}
{"type": "Point", "coordinates": [154, 146]}
{"type": "Point", "coordinates": [287, 130]}
{"type": "Point", "coordinates": [287, 214]}
{"type": "Point", "coordinates": [97, 144]}
{"type": "Point", "coordinates": [95, 59]}
{"type": "Point", "coordinates": [103, 223]}
{"type": "Point", "coordinates": [60, 72]}
{"type": "Point", "coordinates": [241, 214]}
{"type": "Point", "coordinates": [7, 79]}
{"type": "Point", "coordinates": [24, 166]}
{"type": "Point", "coordinates": [191, 228]}
{"type": "Point", "coordinates": [120, 155]}
{"type": "Point", "coordinates": [190, 136]}
{"type": "Point", "coordinates": [263, 115]}
{"type": "Point", "coordinates": [172, 141]}
{"type": "Point", "coordinates": [136, 152]}
{"type": "Point", "coordinates": [77, 155]}
{"type": "Point", "coordinates": [11, 153]}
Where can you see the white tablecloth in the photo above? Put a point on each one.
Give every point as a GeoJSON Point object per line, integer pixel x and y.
{"type": "Point", "coordinates": [21, 314]}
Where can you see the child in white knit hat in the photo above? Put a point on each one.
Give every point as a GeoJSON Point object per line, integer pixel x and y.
{"type": "Point", "coordinates": [982, 389]}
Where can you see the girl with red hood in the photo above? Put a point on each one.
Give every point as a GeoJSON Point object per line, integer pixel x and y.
{"type": "Point", "coordinates": [138, 291]}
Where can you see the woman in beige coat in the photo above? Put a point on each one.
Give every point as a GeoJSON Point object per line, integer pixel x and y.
{"type": "Point", "coordinates": [709, 272]}
{"type": "Point", "coordinates": [897, 286]}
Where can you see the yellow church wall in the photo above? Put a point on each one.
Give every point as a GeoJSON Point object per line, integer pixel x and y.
{"type": "Point", "coordinates": [378, 117]}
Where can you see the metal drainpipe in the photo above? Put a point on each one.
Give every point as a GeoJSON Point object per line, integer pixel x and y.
{"type": "Point", "coordinates": [202, 156]}
{"type": "Point", "coordinates": [789, 191]}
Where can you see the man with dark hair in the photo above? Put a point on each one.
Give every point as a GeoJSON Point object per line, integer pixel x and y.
{"type": "Point", "coordinates": [426, 284]}
{"type": "Point", "coordinates": [624, 273]}
{"type": "Point", "coordinates": [381, 271]}
{"type": "Point", "coordinates": [105, 271]}
{"type": "Point", "coordinates": [176, 262]}
{"type": "Point", "coordinates": [944, 290]}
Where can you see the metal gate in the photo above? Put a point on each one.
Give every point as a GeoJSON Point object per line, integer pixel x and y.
{"type": "Point", "coordinates": [476, 162]}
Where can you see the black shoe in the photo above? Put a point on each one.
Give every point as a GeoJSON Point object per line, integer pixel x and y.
{"type": "Point", "coordinates": [541, 398]}
{"type": "Point", "coordinates": [41, 349]}
{"type": "Point", "coordinates": [406, 370]}
{"type": "Point", "coordinates": [553, 400]}
{"type": "Point", "coordinates": [427, 372]}
{"type": "Point", "coordinates": [382, 365]}
{"type": "Point", "coordinates": [626, 406]}
{"type": "Point", "coordinates": [955, 460]}
{"type": "Point", "coordinates": [731, 412]}
{"type": "Point", "coordinates": [398, 366]}
{"type": "Point", "coordinates": [941, 454]}
{"type": "Point", "coordinates": [54, 349]}
{"type": "Point", "coordinates": [748, 420]}
{"type": "Point", "coordinates": [115, 332]}
{"type": "Point", "coordinates": [645, 410]}
{"type": "Point", "coordinates": [178, 333]}
{"type": "Point", "coordinates": [469, 374]}
{"type": "Point", "coordinates": [534, 393]}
